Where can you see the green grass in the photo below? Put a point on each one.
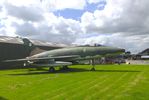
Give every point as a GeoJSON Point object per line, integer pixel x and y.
{"type": "Point", "coordinates": [108, 82]}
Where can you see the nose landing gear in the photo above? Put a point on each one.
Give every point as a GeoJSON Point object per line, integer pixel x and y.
{"type": "Point", "coordinates": [93, 64]}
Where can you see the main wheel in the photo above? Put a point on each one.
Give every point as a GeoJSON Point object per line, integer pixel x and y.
{"type": "Point", "coordinates": [65, 67]}
{"type": "Point", "coordinates": [51, 69]}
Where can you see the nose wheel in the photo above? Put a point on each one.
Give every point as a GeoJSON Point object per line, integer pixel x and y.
{"type": "Point", "coordinates": [92, 69]}
{"type": "Point", "coordinates": [93, 64]}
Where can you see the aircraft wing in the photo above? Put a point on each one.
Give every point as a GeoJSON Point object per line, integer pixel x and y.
{"type": "Point", "coordinates": [33, 59]}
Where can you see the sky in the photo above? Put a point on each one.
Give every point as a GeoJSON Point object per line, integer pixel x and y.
{"type": "Point", "coordinates": [118, 23]}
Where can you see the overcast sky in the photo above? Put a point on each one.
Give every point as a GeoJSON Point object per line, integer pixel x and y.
{"type": "Point", "coordinates": [118, 23]}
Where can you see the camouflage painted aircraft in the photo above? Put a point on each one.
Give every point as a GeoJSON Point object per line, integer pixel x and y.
{"type": "Point", "coordinates": [67, 56]}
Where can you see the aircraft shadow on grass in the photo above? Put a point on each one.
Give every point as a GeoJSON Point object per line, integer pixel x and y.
{"type": "Point", "coordinates": [2, 98]}
{"type": "Point", "coordinates": [71, 70]}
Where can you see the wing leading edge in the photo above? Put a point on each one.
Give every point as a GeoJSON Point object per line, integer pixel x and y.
{"type": "Point", "coordinates": [33, 59]}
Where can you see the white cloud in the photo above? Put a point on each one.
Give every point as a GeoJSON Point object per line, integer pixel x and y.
{"type": "Point", "coordinates": [34, 22]}
{"type": "Point", "coordinates": [31, 13]}
{"type": "Point", "coordinates": [118, 16]}
{"type": "Point", "coordinates": [122, 23]}
{"type": "Point", "coordinates": [19, 3]}
{"type": "Point", "coordinates": [130, 43]}
{"type": "Point", "coordinates": [94, 1]}
{"type": "Point", "coordinates": [53, 5]}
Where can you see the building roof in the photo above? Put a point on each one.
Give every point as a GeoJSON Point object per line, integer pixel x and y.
{"type": "Point", "coordinates": [19, 40]}
{"type": "Point", "coordinates": [6, 39]}
{"type": "Point", "coordinates": [43, 43]}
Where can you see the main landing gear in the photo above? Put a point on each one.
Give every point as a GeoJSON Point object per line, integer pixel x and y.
{"type": "Point", "coordinates": [51, 69]}
{"type": "Point", "coordinates": [64, 67]}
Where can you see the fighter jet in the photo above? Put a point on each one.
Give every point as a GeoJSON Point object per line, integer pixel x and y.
{"type": "Point", "coordinates": [67, 56]}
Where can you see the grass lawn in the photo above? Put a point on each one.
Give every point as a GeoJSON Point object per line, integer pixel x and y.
{"type": "Point", "coordinates": [108, 82]}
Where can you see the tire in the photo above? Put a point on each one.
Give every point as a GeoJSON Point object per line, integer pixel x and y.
{"type": "Point", "coordinates": [51, 69]}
